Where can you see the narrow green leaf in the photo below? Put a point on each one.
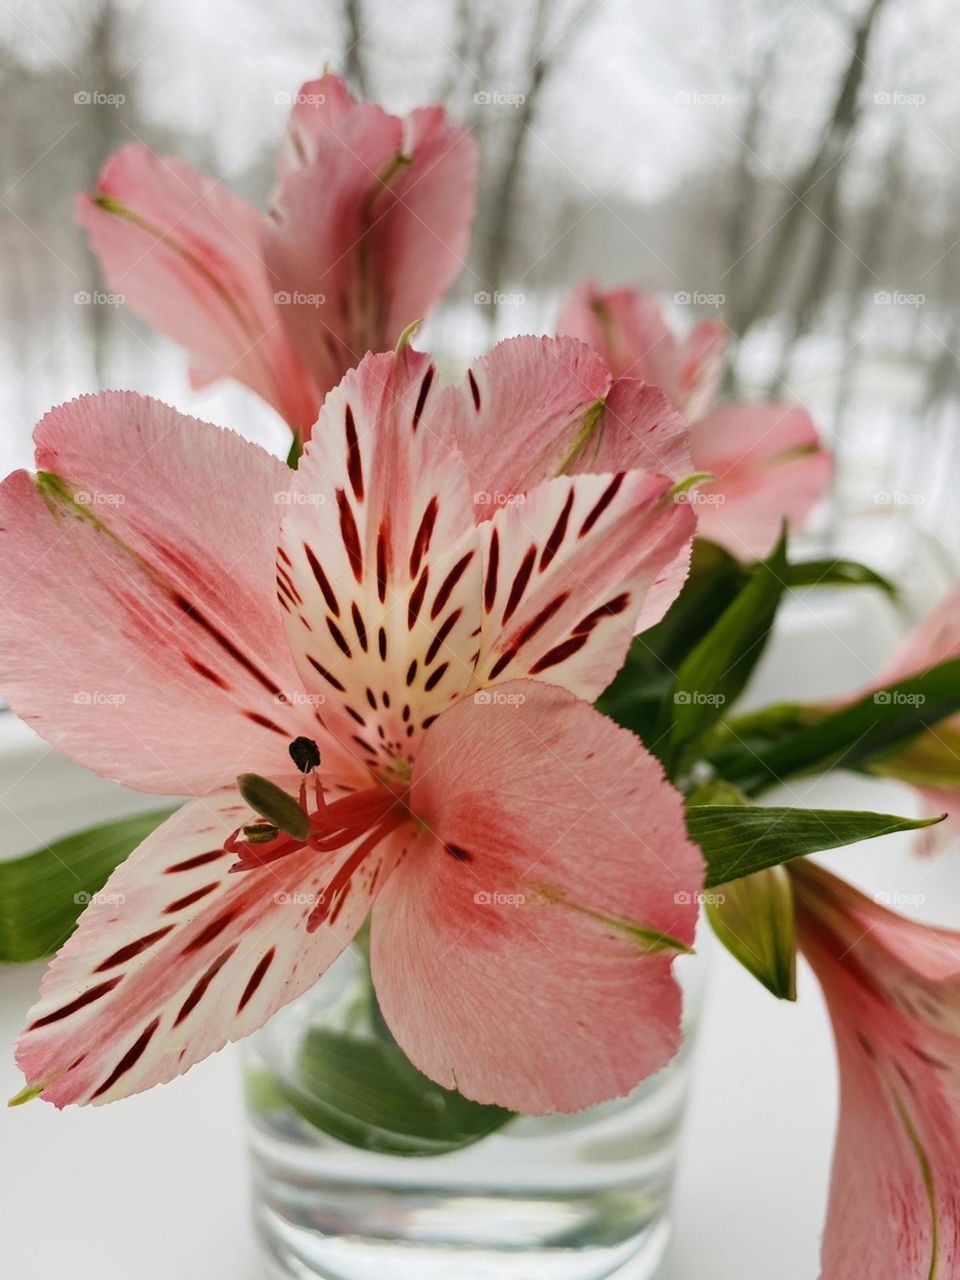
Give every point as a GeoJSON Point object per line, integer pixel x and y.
{"type": "Point", "coordinates": [716, 670]}
{"type": "Point", "coordinates": [366, 1092]}
{"type": "Point", "coordinates": [43, 893]}
{"type": "Point", "coordinates": [738, 840]}
{"type": "Point", "coordinates": [643, 684]}
{"type": "Point", "coordinates": [839, 573]}
{"type": "Point", "coordinates": [852, 737]}
{"type": "Point", "coordinates": [754, 919]}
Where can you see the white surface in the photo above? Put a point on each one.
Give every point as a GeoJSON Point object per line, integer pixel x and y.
{"type": "Point", "coordinates": [155, 1187]}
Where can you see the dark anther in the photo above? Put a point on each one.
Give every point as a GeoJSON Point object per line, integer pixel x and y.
{"type": "Point", "coordinates": [305, 754]}
{"type": "Point", "coordinates": [259, 832]}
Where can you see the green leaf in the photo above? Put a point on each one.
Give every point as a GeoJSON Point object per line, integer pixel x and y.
{"type": "Point", "coordinates": [43, 893]}
{"type": "Point", "coordinates": [714, 673]}
{"type": "Point", "coordinates": [367, 1093]}
{"type": "Point", "coordinates": [636, 696]}
{"type": "Point", "coordinates": [853, 737]}
{"type": "Point", "coordinates": [738, 840]}
{"type": "Point", "coordinates": [838, 573]}
{"type": "Point", "coordinates": [754, 919]}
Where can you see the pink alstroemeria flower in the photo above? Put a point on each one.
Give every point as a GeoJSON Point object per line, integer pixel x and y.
{"type": "Point", "coordinates": [766, 459]}
{"type": "Point", "coordinates": [893, 991]}
{"type": "Point", "coordinates": [526, 862]}
{"type": "Point", "coordinates": [368, 226]}
{"type": "Point", "coordinates": [931, 763]}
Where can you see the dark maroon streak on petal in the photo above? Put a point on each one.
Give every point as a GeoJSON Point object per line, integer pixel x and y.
{"type": "Point", "coordinates": [129, 1059]}
{"type": "Point", "coordinates": [200, 986]}
{"type": "Point", "coordinates": [80, 1002]}
{"type": "Point", "coordinates": [134, 948]}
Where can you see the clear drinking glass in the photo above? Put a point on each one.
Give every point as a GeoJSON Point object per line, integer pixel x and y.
{"type": "Point", "coordinates": [579, 1197]}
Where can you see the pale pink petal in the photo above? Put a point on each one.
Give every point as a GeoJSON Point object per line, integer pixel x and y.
{"type": "Point", "coordinates": [320, 108]}
{"type": "Point", "coordinates": [534, 408]}
{"type": "Point", "coordinates": [629, 331]}
{"type": "Point", "coordinates": [366, 235]}
{"type": "Point", "coordinates": [769, 466]}
{"type": "Point", "coordinates": [177, 955]}
{"type": "Point", "coordinates": [935, 640]}
{"type": "Point", "coordinates": [421, 245]}
{"type": "Point", "coordinates": [187, 255]}
{"type": "Point", "coordinates": [522, 952]}
{"type": "Point", "coordinates": [701, 368]}
{"type": "Point", "coordinates": [383, 555]}
{"type": "Point", "coordinates": [893, 991]}
{"type": "Point", "coordinates": [139, 628]}
{"type": "Point", "coordinates": [572, 569]}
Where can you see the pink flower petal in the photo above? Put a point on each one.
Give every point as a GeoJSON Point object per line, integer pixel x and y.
{"type": "Point", "coordinates": [893, 991]}
{"type": "Point", "coordinates": [629, 331]}
{"type": "Point", "coordinates": [935, 640]}
{"type": "Point", "coordinates": [572, 570]}
{"type": "Point", "coordinates": [321, 108]}
{"type": "Point", "coordinates": [137, 617]}
{"type": "Point", "coordinates": [176, 956]}
{"type": "Point", "coordinates": [368, 232]}
{"type": "Point", "coordinates": [522, 954]}
{"type": "Point", "coordinates": [188, 257]}
{"type": "Point", "coordinates": [701, 367]}
{"type": "Point", "coordinates": [384, 558]}
{"type": "Point", "coordinates": [769, 466]}
{"type": "Point", "coordinates": [534, 408]}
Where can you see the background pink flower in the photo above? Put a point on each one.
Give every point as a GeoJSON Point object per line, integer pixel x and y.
{"type": "Point", "coordinates": [766, 459]}
{"type": "Point", "coordinates": [368, 225]}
